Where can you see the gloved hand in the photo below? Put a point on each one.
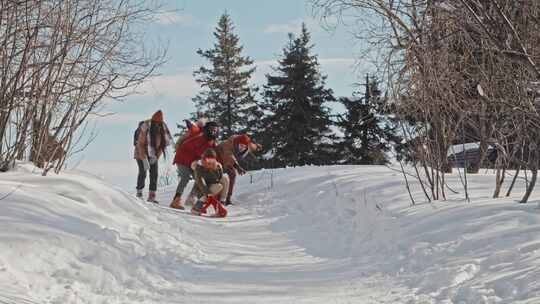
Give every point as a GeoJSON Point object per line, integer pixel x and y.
{"type": "Point", "coordinates": [198, 205]}
{"type": "Point", "coordinates": [146, 164]}
{"type": "Point", "coordinates": [241, 170]}
{"type": "Point", "coordinates": [152, 160]}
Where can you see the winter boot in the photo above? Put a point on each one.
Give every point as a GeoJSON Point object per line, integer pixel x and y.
{"type": "Point", "coordinates": [152, 197]}
{"type": "Point", "coordinates": [139, 193]}
{"type": "Point", "coordinates": [220, 209]}
{"type": "Point", "coordinates": [197, 208]}
{"type": "Point", "coordinates": [177, 203]}
{"type": "Point", "coordinates": [191, 200]}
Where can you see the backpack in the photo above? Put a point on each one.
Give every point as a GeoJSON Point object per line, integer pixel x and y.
{"type": "Point", "coordinates": [192, 130]}
{"type": "Point", "coordinates": [137, 132]}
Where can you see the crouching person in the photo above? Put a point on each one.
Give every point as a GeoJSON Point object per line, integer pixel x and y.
{"type": "Point", "coordinates": [229, 152]}
{"type": "Point", "coordinates": [211, 185]}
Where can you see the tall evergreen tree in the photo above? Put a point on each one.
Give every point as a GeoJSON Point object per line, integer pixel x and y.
{"type": "Point", "coordinates": [368, 131]}
{"type": "Point", "coordinates": [226, 95]}
{"type": "Point", "coordinates": [298, 128]}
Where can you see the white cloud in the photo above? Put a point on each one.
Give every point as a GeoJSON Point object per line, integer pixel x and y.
{"type": "Point", "coordinates": [166, 92]}
{"type": "Point", "coordinates": [337, 62]}
{"type": "Point", "coordinates": [180, 85]}
{"type": "Point", "coordinates": [169, 18]}
{"type": "Point", "coordinates": [118, 118]}
{"type": "Point", "coordinates": [339, 67]}
{"type": "Point", "coordinates": [281, 28]}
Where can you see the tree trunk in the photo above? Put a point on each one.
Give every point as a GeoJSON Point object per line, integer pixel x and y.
{"type": "Point", "coordinates": [499, 179]}
{"type": "Point", "coordinates": [229, 114]}
{"type": "Point", "coordinates": [513, 182]}
{"type": "Point", "coordinates": [482, 151]}
{"type": "Point", "coordinates": [530, 188]}
{"type": "Point", "coordinates": [534, 170]}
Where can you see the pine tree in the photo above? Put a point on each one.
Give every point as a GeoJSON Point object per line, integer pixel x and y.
{"type": "Point", "coordinates": [298, 128]}
{"type": "Point", "coordinates": [226, 95]}
{"type": "Point", "coordinates": [252, 123]}
{"type": "Point", "coordinates": [368, 131]}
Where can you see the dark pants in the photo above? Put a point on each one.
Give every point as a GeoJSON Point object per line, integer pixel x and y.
{"type": "Point", "coordinates": [232, 178]}
{"type": "Point", "coordinates": [142, 176]}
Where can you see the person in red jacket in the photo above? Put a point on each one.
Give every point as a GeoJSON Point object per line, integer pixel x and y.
{"type": "Point", "coordinates": [188, 150]}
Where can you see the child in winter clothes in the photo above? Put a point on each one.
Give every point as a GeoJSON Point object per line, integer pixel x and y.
{"type": "Point", "coordinates": [229, 152]}
{"type": "Point", "coordinates": [187, 151]}
{"type": "Point", "coordinates": [209, 180]}
{"type": "Point", "coordinates": [153, 137]}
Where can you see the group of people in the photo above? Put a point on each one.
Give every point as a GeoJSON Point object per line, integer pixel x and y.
{"type": "Point", "coordinates": [198, 154]}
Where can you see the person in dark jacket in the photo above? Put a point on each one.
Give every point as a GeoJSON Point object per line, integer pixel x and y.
{"type": "Point", "coordinates": [188, 150]}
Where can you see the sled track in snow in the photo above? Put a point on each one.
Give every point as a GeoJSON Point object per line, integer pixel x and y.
{"type": "Point", "coordinates": [12, 299]}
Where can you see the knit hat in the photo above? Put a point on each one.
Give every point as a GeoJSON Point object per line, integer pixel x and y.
{"type": "Point", "coordinates": [158, 116]}
{"type": "Point", "coordinates": [244, 139]}
{"type": "Point", "coordinates": [210, 153]}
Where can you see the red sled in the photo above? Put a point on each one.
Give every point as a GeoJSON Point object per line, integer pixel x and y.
{"type": "Point", "coordinates": [218, 207]}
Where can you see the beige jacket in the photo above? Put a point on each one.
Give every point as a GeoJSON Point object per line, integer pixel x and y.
{"type": "Point", "coordinates": [225, 152]}
{"type": "Point", "coordinates": [143, 149]}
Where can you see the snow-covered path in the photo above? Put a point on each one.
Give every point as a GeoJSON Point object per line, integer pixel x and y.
{"type": "Point", "coordinates": [245, 261]}
{"type": "Point", "coordinates": [342, 234]}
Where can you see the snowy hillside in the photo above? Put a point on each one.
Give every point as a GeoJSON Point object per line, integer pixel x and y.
{"type": "Point", "coordinates": [305, 235]}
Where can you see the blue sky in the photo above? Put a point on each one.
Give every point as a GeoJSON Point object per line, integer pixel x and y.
{"type": "Point", "coordinates": [262, 27]}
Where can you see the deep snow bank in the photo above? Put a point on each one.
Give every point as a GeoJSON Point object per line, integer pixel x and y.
{"type": "Point", "coordinates": [74, 239]}
{"type": "Point", "coordinates": [486, 251]}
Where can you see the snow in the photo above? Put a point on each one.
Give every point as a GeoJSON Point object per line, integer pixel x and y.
{"type": "Point", "coordinates": [339, 234]}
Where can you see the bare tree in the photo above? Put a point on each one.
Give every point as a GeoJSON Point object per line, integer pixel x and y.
{"type": "Point", "coordinates": [59, 61]}
{"type": "Point", "coordinates": [459, 71]}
